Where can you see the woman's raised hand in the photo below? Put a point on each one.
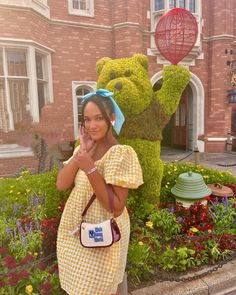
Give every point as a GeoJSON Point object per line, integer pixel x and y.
{"type": "Point", "coordinates": [86, 142]}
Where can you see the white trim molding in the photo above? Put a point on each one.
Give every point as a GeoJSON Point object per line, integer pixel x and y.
{"type": "Point", "coordinates": [14, 151]}
{"type": "Point", "coordinates": [23, 43]}
{"type": "Point", "coordinates": [216, 138]}
{"type": "Point", "coordinates": [39, 6]}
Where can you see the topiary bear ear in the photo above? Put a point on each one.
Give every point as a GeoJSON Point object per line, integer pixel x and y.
{"type": "Point", "coordinates": [101, 63]}
{"type": "Point", "coordinates": [142, 59]}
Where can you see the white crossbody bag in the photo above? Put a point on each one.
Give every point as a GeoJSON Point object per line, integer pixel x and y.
{"type": "Point", "coordinates": [102, 234]}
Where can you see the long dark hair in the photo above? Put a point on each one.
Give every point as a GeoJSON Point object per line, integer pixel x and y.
{"type": "Point", "coordinates": [105, 106]}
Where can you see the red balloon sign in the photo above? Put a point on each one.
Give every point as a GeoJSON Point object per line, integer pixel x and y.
{"type": "Point", "coordinates": [176, 33]}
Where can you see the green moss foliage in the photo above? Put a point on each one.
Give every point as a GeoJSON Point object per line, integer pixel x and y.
{"type": "Point", "coordinates": [146, 114]}
{"type": "Point", "coordinates": [152, 167]}
{"type": "Point", "coordinates": [148, 125]}
{"type": "Point", "coordinates": [128, 79]}
{"type": "Point", "coordinates": [175, 80]}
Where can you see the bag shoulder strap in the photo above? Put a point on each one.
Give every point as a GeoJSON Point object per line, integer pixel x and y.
{"type": "Point", "coordinates": [110, 197]}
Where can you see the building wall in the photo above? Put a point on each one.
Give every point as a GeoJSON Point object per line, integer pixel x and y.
{"type": "Point", "coordinates": [120, 28]}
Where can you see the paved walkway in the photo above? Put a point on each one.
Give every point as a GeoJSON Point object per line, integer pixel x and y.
{"type": "Point", "coordinates": [220, 161]}
{"type": "Point", "coordinates": [220, 282]}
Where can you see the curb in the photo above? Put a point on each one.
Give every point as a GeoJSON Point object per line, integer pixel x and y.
{"type": "Point", "coordinates": [220, 282]}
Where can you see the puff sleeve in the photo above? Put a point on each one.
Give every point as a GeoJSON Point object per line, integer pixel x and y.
{"type": "Point", "coordinates": [67, 161]}
{"type": "Point", "coordinates": [122, 168]}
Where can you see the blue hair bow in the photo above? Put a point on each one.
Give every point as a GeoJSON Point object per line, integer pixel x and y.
{"type": "Point", "coordinates": [117, 111]}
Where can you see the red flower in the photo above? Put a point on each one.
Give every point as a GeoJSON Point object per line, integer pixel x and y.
{"type": "Point", "coordinates": [53, 269]}
{"type": "Point", "coordinates": [13, 279]}
{"type": "Point", "coordinates": [3, 250]}
{"type": "Point", "coordinates": [23, 274]}
{"type": "Point", "coordinates": [42, 265]}
{"type": "Point", "coordinates": [208, 198]}
{"type": "Point", "coordinates": [45, 289]}
{"type": "Point", "coordinates": [27, 259]}
{"type": "Point", "coordinates": [9, 262]}
{"type": "Point", "coordinates": [44, 223]}
{"type": "Point", "coordinates": [2, 284]}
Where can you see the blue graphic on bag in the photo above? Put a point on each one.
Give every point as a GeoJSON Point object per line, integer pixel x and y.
{"type": "Point", "coordinates": [96, 234]}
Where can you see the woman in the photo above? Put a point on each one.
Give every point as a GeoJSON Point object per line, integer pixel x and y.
{"type": "Point", "coordinates": [99, 159]}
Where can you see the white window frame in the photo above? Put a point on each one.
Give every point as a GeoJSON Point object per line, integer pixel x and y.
{"type": "Point", "coordinates": [30, 48]}
{"type": "Point", "coordinates": [89, 13]}
{"type": "Point", "coordinates": [155, 16]}
{"type": "Point", "coordinates": [92, 86]}
{"type": "Point", "coordinates": [31, 74]}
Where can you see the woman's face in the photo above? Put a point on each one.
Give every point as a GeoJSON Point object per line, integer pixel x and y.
{"type": "Point", "coordinates": [94, 122]}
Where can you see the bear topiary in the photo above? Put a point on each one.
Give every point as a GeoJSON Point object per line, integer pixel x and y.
{"type": "Point", "coordinates": [146, 112]}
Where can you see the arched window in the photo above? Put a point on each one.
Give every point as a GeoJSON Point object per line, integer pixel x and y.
{"type": "Point", "coordinates": [80, 92]}
{"type": "Point", "coordinates": [80, 88]}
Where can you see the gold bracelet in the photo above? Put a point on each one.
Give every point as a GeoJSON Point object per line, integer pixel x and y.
{"type": "Point", "coordinates": [91, 170]}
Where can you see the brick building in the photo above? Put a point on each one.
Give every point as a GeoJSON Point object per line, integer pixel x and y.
{"type": "Point", "coordinates": [48, 52]}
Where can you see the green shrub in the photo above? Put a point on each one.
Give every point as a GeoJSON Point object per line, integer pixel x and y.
{"type": "Point", "coordinates": [21, 189]}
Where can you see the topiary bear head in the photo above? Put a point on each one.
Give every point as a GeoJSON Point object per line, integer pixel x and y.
{"type": "Point", "coordinates": [128, 79]}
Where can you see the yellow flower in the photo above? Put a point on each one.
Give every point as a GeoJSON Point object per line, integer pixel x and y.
{"type": "Point", "coordinates": [166, 186]}
{"type": "Point", "coordinates": [149, 224]}
{"type": "Point", "coordinates": [35, 254]}
{"type": "Point", "coordinates": [10, 192]}
{"type": "Point", "coordinates": [140, 243]}
{"type": "Point", "coordinates": [18, 193]}
{"type": "Point", "coordinates": [209, 230]}
{"type": "Point", "coordinates": [194, 229]}
{"type": "Point", "coordinates": [29, 289]}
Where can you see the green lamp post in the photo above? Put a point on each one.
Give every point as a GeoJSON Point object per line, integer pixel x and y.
{"type": "Point", "coordinates": [190, 188]}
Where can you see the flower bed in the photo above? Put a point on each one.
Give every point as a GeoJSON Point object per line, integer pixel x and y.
{"type": "Point", "coordinates": [170, 237]}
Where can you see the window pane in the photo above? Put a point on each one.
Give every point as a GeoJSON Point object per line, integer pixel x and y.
{"type": "Point", "coordinates": [1, 63]}
{"type": "Point", "coordinates": [41, 95]}
{"type": "Point", "coordinates": [79, 4]}
{"type": "Point", "coordinates": [159, 4]}
{"type": "Point", "coordinates": [181, 3]}
{"type": "Point", "coordinates": [16, 62]}
{"type": "Point", "coordinates": [39, 66]}
{"type": "Point", "coordinates": [172, 3]}
{"type": "Point", "coordinates": [19, 103]}
{"type": "Point", "coordinates": [4, 124]}
{"type": "Point", "coordinates": [192, 6]}
{"type": "Point", "coordinates": [80, 92]}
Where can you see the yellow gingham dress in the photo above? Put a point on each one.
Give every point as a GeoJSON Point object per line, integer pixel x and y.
{"type": "Point", "coordinates": [89, 271]}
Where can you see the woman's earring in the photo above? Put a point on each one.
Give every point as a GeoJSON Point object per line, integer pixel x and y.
{"type": "Point", "coordinates": [113, 123]}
